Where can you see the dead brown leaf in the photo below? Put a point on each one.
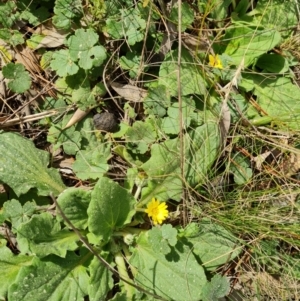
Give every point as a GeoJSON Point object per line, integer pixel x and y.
{"type": "Point", "coordinates": [129, 92]}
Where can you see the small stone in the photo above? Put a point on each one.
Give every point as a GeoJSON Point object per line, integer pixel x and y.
{"type": "Point", "coordinates": [105, 122]}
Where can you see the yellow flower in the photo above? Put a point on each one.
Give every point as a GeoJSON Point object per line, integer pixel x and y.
{"type": "Point", "coordinates": [214, 61]}
{"type": "Point", "coordinates": [157, 211]}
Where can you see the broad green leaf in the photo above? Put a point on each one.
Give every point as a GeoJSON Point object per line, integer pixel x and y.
{"type": "Point", "coordinates": [34, 40]}
{"type": "Point", "coordinates": [157, 101]}
{"type": "Point", "coordinates": [278, 97]}
{"type": "Point", "coordinates": [159, 273]}
{"type": "Point", "coordinates": [161, 238]}
{"type": "Point", "coordinates": [52, 279]}
{"type": "Point", "coordinates": [241, 8]}
{"type": "Point", "coordinates": [120, 297]}
{"type": "Point", "coordinates": [192, 81]}
{"type": "Point", "coordinates": [10, 266]}
{"type": "Point", "coordinates": [276, 14]}
{"type": "Point", "coordinates": [69, 138]}
{"type": "Point", "coordinates": [16, 38]}
{"type": "Point", "coordinates": [69, 84]}
{"type": "Point", "coordinates": [191, 230]}
{"type": "Point", "coordinates": [163, 171]}
{"type": "Point", "coordinates": [248, 43]}
{"type": "Point", "coordinates": [19, 78]}
{"type": "Point", "coordinates": [7, 16]}
{"type": "Point", "coordinates": [92, 163]}
{"type": "Point", "coordinates": [202, 149]}
{"type": "Point", "coordinates": [65, 11]}
{"type": "Point", "coordinates": [127, 24]}
{"type": "Point", "coordinates": [171, 123]}
{"type": "Point", "coordinates": [89, 140]}
{"type": "Point", "coordinates": [46, 60]}
{"type": "Point", "coordinates": [111, 208]}
{"type": "Point", "coordinates": [12, 37]}
{"type": "Point", "coordinates": [217, 288]}
{"type": "Point", "coordinates": [240, 167]}
{"type": "Point", "coordinates": [187, 15]}
{"type": "Point", "coordinates": [5, 34]}
{"type": "Point", "coordinates": [18, 214]}
{"type": "Point", "coordinates": [140, 135]}
{"type": "Point", "coordinates": [132, 63]}
{"type": "Point", "coordinates": [74, 203]}
{"type": "Point", "coordinates": [214, 245]}
{"type": "Point", "coordinates": [45, 236]}
{"type": "Point", "coordinates": [24, 167]}
{"type": "Point", "coordinates": [217, 9]}
{"type": "Point", "coordinates": [82, 48]}
{"type": "Point", "coordinates": [85, 97]}
{"type": "Point", "coordinates": [273, 62]}
{"type": "Point", "coordinates": [33, 11]}
{"type": "Point", "coordinates": [63, 64]}
{"type": "Point", "coordinates": [101, 281]}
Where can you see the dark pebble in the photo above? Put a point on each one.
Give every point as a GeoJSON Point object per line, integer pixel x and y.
{"type": "Point", "coordinates": [105, 122]}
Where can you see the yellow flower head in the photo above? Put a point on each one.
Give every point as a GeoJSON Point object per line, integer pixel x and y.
{"type": "Point", "coordinates": [157, 211]}
{"type": "Point", "coordinates": [214, 61]}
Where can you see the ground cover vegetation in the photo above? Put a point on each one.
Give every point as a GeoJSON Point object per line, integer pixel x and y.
{"type": "Point", "coordinates": [149, 150]}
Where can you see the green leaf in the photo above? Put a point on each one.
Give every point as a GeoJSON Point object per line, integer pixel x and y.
{"type": "Point", "coordinates": [120, 297]}
{"type": "Point", "coordinates": [161, 238]}
{"type": "Point", "coordinates": [192, 81]}
{"type": "Point", "coordinates": [18, 214]}
{"type": "Point", "coordinates": [7, 18]}
{"type": "Point", "coordinates": [101, 281]}
{"type": "Point", "coordinates": [12, 37]}
{"type": "Point", "coordinates": [190, 231]}
{"type": "Point", "coordinates": [85, 97]}
{"type": "Point", "coordinates": [276, 14]}
{"type": "Point", "coordinates": [92, 163]}
{"type": "Point", "coordinates": [82, 49]}
{"type": "Point", "coordinates": [163, 170]}
{"type": "Point", "coordinates": [278, 97]}
{"type": "Point", "coordinates": [248, 43]}
{"type": "Point", "coordinates": [66, 11]}
{"type": "Point", "coordinates": [187, 15]}
{"type": "Point", "coordinates": [240, 167]}
{"type": "Point", "coordinates": [111, 208]}
{"type": "Point", "coordinates": [10, 266]}
{"type": "Point", "coordinates": [52, 279]}
{"type": "Point", "coordinates": [272, 62]}
{"type": "Point", "coordinates": [129, 24]}
{"type": "Point", "coordinates": [159, 273]}
{"type": "Point", "coordinates": [202, 149]}
{"type": "Point", "coordinates": [69, 138]}
{"type": "Point", "coordinates": [217, 9]}
{"type": "Point", "coordinates": [19, 78]}
{"type": "Point", "coordinates": [74, 203]}
{"type": "Point", "coordinates": [214, 245]}
{"type": "Point", "coordinates": [16, 38]}
{"type": "Point", "coordinates": [63, 64]}
{"type": "Point", "coordinates": [140, 135]}
{"type": "Point", "coordinates": [33, 11]}
{"type": "Point", "coordinates": [171, 124]}
{"type": "Point", "coordinates": [218, 287]}
{"type": "Point", "coordinates": [242, 8]}
{"type": "Point", "coordinates": [157, 101]}
{"type": "Point", "coordinates": [132, 62]}
{"type": "Point", "coordinates": [45, 236]}
{"type": "Point", "coordinates": [34, 40]}
{"type": "Point", "coordinates": [24, 167]}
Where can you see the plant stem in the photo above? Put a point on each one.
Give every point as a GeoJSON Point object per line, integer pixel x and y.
{"type": "Point", "coordinates": [124, 274]}
{"type": "Point", "coordinates": [128, 255]}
